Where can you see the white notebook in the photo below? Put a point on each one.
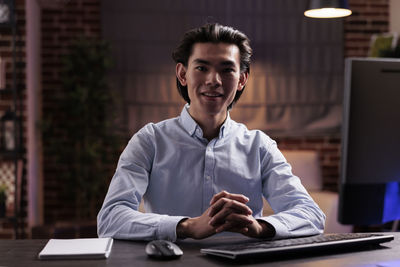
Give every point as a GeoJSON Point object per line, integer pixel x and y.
{"type": "Point", "coordinates": [80, 248]}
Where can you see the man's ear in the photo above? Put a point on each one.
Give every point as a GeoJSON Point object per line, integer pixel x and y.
{"type": "Point", "coordinates": [181, 73]}
{"type": "Point", "coordinates": [242, 80]}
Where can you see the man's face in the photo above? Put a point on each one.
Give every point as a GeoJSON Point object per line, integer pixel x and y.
{"type": "Point", "coordinates": [212, 77]}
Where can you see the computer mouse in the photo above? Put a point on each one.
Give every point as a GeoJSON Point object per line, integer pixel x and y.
{"type": "Point", "coordinates": [163, 249]}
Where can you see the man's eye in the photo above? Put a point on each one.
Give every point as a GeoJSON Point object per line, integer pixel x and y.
{"type": "Point", "coordinates": [201, 68]}
{"type": "Point", "coordinates": [229, 70]}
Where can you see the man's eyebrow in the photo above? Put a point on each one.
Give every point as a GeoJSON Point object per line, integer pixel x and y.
{"type": "Point", "coordinates": [201, 61]}
{"type": "Point", "coordinates": [228, 63]}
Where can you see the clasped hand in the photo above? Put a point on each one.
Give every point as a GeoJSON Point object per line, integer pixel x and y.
{"type": "Point", "coordinates": [227, 212]}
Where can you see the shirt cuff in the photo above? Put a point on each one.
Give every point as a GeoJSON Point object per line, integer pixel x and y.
{"type": "Point", "coordinates": [167, 227]}
{"type": "Point", "coordinates": [281, 231]}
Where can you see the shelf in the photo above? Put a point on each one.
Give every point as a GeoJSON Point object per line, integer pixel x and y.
{"type": "Point", "coordinates": [9, 91]}
{"type": "Point", "coordinates": [6, 91]}
{"type": "Point", "coordinates": [10, 155]}
{"type": "Point", "coordinates": [8, 219]}
{"type": "Point", "coordinates": [5, 28]}
{"type": "Point", "coordinates": [11, 95]}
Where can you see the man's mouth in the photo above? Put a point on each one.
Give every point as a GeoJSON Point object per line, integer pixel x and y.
{"type": "Point", "coordinates": [211, 94]}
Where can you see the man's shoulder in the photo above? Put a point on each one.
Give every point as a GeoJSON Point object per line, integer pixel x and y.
{"type": "Point", "coordinates": [166, 124]}
{"type": "Point", "coordinates": [163, 126]}
{"type": "Point", "coordinates": [242, 129]}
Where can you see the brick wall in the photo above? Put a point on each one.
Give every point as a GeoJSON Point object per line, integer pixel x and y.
{"type": "Point", "coordinates": [61, 24]}
{"type": "Point", "coordinates": [369, 17]}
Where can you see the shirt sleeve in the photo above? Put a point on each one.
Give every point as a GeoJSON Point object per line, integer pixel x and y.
{"type": "Point", "coordinates": [296, 213]}
{"type": "Point", "coordinates": [119, 216]}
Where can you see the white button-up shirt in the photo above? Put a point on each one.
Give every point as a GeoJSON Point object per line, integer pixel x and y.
{"type": "Point", "coordinates": [177, 172]}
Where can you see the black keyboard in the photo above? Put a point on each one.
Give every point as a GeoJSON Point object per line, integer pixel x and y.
{"type": "Point", "coordinates": [297, 244]}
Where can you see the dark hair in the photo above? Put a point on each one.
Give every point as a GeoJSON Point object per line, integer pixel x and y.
{"type": "Point", "coordinates": [212, 33]}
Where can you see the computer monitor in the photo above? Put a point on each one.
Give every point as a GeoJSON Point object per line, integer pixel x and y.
{"type": "Point", "coordinates": [369, 190]}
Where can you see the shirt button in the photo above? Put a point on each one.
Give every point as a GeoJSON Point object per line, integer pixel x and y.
{"type": "Point", "coordinates": [208, 177]}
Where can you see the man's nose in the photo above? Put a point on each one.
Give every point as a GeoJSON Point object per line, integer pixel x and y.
{"type": "Point", "coordinates": [213, 78]}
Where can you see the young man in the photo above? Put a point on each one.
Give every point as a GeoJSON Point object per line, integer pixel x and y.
{"type": "Point", "coordinates": [201, 173]}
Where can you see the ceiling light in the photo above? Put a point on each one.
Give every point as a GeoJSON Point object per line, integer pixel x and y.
{"type": "Point", "coordinates": [328, 9]}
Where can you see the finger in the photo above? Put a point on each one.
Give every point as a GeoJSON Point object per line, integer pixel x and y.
{"type": "Point", "coordinates": [224, 207]}
{"type": "Point", "coordinates": [239, 219]}
{"type": "Point", "coordinates": [227, 226]}
{"type": "Point", "coordinates": [220, 217]}
{"type": "Point", "coordinates": [235, 223]}
{"type": "Point", "coordinates": [218, 196]}
{"type": "Point", "coordinates": [232, 205]}
{"type": "Point", "coordinates": [224, 194]}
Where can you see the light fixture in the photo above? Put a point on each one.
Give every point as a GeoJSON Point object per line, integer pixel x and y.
{"type": "Point", "coordinates": [328, 9]}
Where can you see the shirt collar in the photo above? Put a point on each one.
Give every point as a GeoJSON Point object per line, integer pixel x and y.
{"type": "Point", "coordinates": [224, 130]}
{"type": "Point", "coordinates": [190, 125]}
{"type": "Point", "coordinates": [187, 121]}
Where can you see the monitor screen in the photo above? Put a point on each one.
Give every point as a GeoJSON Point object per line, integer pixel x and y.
{"type": "Point", "coordinates": [370, 161]}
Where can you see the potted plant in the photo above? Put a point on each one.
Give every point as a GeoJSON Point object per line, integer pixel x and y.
{"type": "Point", "coordinates": [83, 137]}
